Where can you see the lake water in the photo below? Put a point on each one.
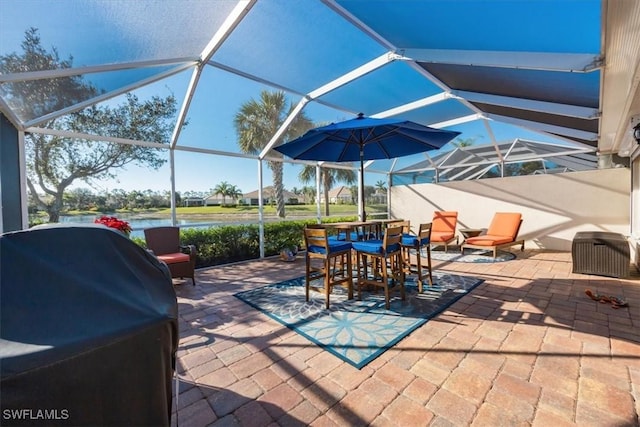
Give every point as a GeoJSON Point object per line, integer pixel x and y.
{"type": "Point", "coordinates": [138, 224]}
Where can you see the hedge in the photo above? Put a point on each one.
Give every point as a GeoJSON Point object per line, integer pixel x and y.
{"type": "Point", "coordinates": [231, 243]}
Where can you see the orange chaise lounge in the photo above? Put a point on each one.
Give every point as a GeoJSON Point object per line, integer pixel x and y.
{"type": "Point", "coordinates": [502, 232]}
{"type": "Point", "coordinates": [443, 228]}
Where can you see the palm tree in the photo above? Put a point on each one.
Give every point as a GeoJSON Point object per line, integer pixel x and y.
{"type": "Point", "coordinates": [381, 186]}
{"type": "Point", "coordinates": [234, 192]}
{"type": "Point", "coordinates": [309, 193]}
{"type": "Point", "coordinates": [257, 121]}
{"type": "Point", "coordinates": [463, 142]}
{"type": "Point", "coordinates": [223, 190]}
{"type": "Point", "coordinates": [328, 178]}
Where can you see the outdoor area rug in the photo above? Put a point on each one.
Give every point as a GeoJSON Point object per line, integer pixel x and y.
{"type": "Point", "coordinates": [357, 331]}
{"type": "Point", "coordinates": [470, 255]}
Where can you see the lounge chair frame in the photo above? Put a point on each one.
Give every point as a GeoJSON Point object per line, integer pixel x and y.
{"type": "Point", "coordinates": [495, 248]}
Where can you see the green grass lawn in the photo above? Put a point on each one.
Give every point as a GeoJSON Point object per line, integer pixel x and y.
{"type": "Point", "coordinates": [297, 210]}
{"type": "Point", "coordinates": [290, 209]}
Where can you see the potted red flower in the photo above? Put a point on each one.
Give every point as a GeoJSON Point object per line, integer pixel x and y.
{"type": "Point", "coordinates": [113, 222]}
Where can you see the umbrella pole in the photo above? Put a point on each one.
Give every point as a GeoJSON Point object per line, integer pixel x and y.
{"type": "Point", "coordinates": [362, 214]}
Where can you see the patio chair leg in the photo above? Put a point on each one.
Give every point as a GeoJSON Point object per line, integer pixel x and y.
{"type": "Point", "coordinates": [350, 283]}
{"type": "Point", "coordinates": [327, 287]}
{"type": "Point", "coordinates": [361, 260]}
{"type": "Point", "coordinates": [307, 281]}
{"type": "Point", "coordinates": [401, 279]}
{"type": "Point", "coordinates": [429, 265]}
{"type": "Point", "coordinates": [385, 280]}
{"type": "Point", "coordinates": [419, 267]}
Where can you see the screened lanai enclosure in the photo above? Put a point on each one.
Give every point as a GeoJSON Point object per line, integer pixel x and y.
{"type": "Point", "coordinates": [553, 84]}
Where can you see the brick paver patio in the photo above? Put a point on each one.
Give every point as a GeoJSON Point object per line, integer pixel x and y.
{"type": "Point", "coordinates": [527, 347]}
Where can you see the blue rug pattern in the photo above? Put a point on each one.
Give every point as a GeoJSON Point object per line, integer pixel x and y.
{"type": "Point", "coordinates": [470, 255]}
{"type": "Point", "coordinates": [357, 331]}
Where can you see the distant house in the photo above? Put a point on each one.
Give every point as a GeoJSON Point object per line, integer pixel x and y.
{"type": "Point", "coordinates": [338, 195]}
{"type": "Point", "coordinates": [269, 197]}
{"type": "Point", "coordinates": [217, 200]}
{"type": "Point", "coordinates": [378, 197]}
{"type": "Point", "coordinates": [192, 201]}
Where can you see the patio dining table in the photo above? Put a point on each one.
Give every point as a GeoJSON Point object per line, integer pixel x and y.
{"type": "Point", "coordinates": [384, 223]}
{"type": "Point", "coordinates": [374, 227]}
{"type": "Point", "coordinates": [348, 227]}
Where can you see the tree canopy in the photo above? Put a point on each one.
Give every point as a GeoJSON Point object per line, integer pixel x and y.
{"type": "Point", "coordinates": [55, 162]}
{"type": "Point", "coordinates": [225, 190]}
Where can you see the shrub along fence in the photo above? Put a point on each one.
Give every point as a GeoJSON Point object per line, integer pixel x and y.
{"type": "Point", "coordinates": [231, 243]}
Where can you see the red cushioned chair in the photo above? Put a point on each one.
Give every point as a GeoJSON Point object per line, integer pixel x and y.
{"type": "Point", "coordinates": [164, 242]}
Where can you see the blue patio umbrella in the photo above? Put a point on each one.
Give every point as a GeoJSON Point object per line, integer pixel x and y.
{"type": "Point", "coordinates": [365, 138]}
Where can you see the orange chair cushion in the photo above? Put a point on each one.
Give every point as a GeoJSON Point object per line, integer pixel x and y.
{"type": "Point", "coordinates": [488, 240]}
{"type": "Point", "coordinates": [444, 221]}
{"type": "Point", "coordinates": [174, 258]}
{"type": "Point", "coordinates": [441, 236]}
{"type": "Point", "coordinates": [505, 224]}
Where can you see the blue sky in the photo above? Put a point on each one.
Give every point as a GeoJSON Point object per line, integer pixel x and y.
{"type": "Point", "coordinates": [299, 45]}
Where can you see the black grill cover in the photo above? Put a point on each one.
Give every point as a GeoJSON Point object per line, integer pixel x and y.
{"type": "Point", "coordinates": [88, 329]}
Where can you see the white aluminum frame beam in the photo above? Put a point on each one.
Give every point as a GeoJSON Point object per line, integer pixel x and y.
{"type": "Point", "coordinates": [440, 84]}
{"type": "Point", "coordinates": [11, 115]}
{"type": "Point", "coordinates": [509, 150]}
{"type": "Point", "coordinates": [530, 105]}
{"type": "Point", "coordinates": [494, 142]}
{"type": "Point", "coordinates": [224, 31]}
{"type": "Point", "coordinates": [359, 24]}
{"type": "Point", "coordinates": [78, 71]}
{"type": "Point", "coordinates": [542, 61]}
{"type": "Point", "coordinates": [346, 78]}
{"type": "Point", "coordinates": [269, 83]}
{"type": "Point", "coordinates": [457, 121]}
{"type": "Point", "coordinates": [89, 137]}
{"type": "Point", "coordinates": [429, 100]}
{"type": "Point", "coordinates": [575, 163]}
{"type": "Point", "coordinates": [150, 144]}
{"type": "Point", "coordinates": [464, 170]}
{"type": "Point", "coordinates": [547, 128]}
{"type": "Point", "coordinates": [24, 201]}
{"type": "Point", "coordinates": [388, 45]}
{"type": "Point", "coordinates": [283, 127]}
{"type": "Point", "coordinates": [534, 156]}
{"type": "Point", "coordinates": [352, 75]}
{"type": "Point", "coordinates": [99, 138]}
{"type": "Point", "coordinates": [482, 172]}
{"type": "Point", "coordinates": [96, 100]}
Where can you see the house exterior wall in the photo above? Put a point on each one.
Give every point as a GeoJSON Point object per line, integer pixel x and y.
{"type": "Point", "coordinates": [635, 207]}
{"type": "Point", "coordinates": [12, 217]}
{"type": "Point", "coordinates": [554, 207]}
{"type": "Point", "coordinates": [339, 199]}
